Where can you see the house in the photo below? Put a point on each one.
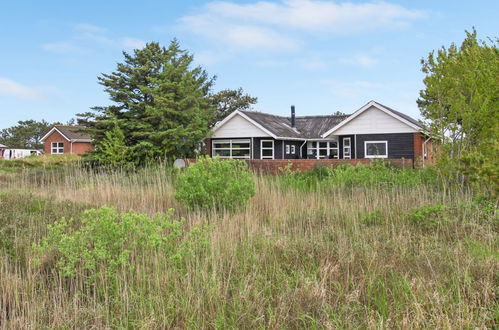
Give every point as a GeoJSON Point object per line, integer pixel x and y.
{"type": "Point", "coordinates": [67, 140]}
{"type": "Point", "coordinates": [373, 131]}
{"type": "Point", "coordinates": [2, 150]}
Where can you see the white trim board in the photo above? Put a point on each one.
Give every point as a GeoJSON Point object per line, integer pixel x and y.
{"type": "Point", "coordinates": [370, 105]}
{"type": "Point", "coordinates": [52, 131]}
{"type": "Point", "coordinates": [242, 134]}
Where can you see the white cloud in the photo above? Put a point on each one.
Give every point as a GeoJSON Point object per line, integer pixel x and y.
{"type": "Point", "coordinates": [132, 43]}
{"type": "Point", "coordinates": [87, 36]}
{"type": "Point", "coordinates": [62, 47]}
{"type": "Point", "coordinates": [11, 88]}
{"type": "Point", "coordinates": [275, 25]}
{"type": "Point", "coordinates": [360, 60]}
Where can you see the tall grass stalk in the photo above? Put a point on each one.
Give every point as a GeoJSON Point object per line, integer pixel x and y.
{"type": "Point", "coordinates": [290, 259]}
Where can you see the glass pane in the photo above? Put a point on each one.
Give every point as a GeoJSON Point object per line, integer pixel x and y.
{"type": "Point", "coordinates": [323, 152]}
{"type": "Point", "coordinates": [376, 149]}
{"type": "Point", "coordinates": [54, 151]}
{"type": "Point", "coordinates": [240, 145]}
{"type": "Point", "coordinates": [267, 144]}
{"type": "Point", "coordinates": [333, 144]}
{"type": "Point", "coordinates": [322, 144]}
{"type": "Point", "coordinates": [333, 153]}
{"type": "Point", "coordinates": [267, 152]}
{"type": "Point", "coordinates": [346, 142]}
{"type": "Point", "coordinates": [221, 145]}
{"type": "Point", "coordinates": [222, 153]}
{"type": "Point", "coordinates": [240, 153]}
{"type": "Point", "coordinates": [61, 145]}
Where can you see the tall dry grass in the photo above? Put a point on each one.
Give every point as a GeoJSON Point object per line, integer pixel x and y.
{"type": "Point", "coordinates": [291, 259]}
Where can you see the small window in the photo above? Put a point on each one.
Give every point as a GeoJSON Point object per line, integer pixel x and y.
{"type": "Point", "coordinates": [267, 149]}
{"type": "Point", "coordinates": [293, 149]}
{"type": "Point", "coordinates": [376, 149]}
{"type": "Point", "coordinates": [346, 148]}
{"type": "Point", "coordinates": [288, 149]}
{"type": "Point", "coordinates": [57, 148]}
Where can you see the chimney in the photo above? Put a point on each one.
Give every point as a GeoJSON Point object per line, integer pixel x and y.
{"type": "Point", "coordinates": [293, 124]}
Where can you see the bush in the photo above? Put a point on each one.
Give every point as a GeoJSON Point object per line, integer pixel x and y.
{"type": "Point", "coordinates": [377, 174]}
{"type": "Point", "coordinates": [429, 217]}
{"type": "Point", "coordinates": [214, 183]}
{"type": "Point", "coordinates": [105, 240]}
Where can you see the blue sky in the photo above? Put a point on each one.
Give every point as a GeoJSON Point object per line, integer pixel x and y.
{"type": "Point", "coordinates": [322, 56]}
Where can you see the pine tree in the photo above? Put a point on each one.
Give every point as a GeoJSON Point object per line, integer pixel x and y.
{"type": "Point", "coordinates": [160, 104]}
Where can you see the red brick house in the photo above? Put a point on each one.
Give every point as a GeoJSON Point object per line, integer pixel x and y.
{"type": "Point", "coordinates": [67, 140]}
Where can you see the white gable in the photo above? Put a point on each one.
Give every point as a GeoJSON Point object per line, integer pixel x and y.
{"type": "Point", "coordinates": [238, 126]}
{"type": "Point", "coordinates": [374, 121]}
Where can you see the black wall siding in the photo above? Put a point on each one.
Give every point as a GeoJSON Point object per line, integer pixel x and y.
{"type": "Point", "coordinates": [400, 145]}
{"type": "Point", "coordinates": [353, 146]}
{"type": "Point", "coordinates": [297, 145]}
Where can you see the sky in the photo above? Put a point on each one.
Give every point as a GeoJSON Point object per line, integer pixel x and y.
{"type": "Point", "coordinates": [321, 56]}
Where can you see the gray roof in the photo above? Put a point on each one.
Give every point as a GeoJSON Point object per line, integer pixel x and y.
{"type": "Point", "coordinates": [307, 127]}
{"type": "Point", "coordinates": [74, 132]}
{"type": "Point", "coordinates": [3, 146]}
{"type": "Point", "coordinates": [400, 114]}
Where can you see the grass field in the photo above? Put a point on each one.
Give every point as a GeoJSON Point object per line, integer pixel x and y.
{"type": "Point", "coordinates": [334, 255]}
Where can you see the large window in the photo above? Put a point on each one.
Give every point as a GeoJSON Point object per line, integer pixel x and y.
{"type": "Point", "coordinates": [239, 149]}
{"type": "Point", "coordinates": [347, 148]}
{"type": "Point", "coordinates": [267, 149]}
{"type": "Point", "coordinates": [322, 149]}
{"type": "Point", "coordinates": [376, 149]}
{"type": "Point", "coordinates": [57, 148]}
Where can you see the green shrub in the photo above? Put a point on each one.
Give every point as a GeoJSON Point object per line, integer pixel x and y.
{"type": "Point", "coordinates": [377, 174]}
{"type": "Point", "coordinates": [105, 240]}
{"type": "Point", "coordinates": [373, 218]}
{"type": "Point", "coordinates": [429, 217]}
{"type": "Point", "coordinates": [214, 183]}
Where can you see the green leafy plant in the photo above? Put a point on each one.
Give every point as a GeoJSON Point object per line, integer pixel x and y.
{"type": "Point", "coordinates": [105, 240]}
{"type": "Point", "coordinates": [214, 183]}
{"type": "Point", "coordinates": [429, 217]}
{"type": "Point", "coordinates": [373, 218]}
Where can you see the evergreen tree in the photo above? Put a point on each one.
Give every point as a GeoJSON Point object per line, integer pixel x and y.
{"type": "Point", "coordinates": [160, 104]}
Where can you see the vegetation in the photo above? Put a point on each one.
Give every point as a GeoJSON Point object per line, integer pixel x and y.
{"type": "Point", "coordinates": [25, 135]}
{"type": "Point", "coordinates": [352, 255]}
{"type": "Point", "coordinates": [215, 183]}
{"type": "Point", "coordinates": [163, 107]}
{"type": "Point", "coordinates": [460, 103]}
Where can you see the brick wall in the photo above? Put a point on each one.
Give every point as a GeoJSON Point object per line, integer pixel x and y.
{"type": "Point", "coordinates": [79, 148]}
{"type": "Point", "coordinates": [273, 166]}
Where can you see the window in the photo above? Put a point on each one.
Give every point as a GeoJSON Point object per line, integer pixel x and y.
{"type": "Point", "coordinates": [346, 148]}
{"type": "Point", "coordinates": [333, 149]}
{"type": "Point", "coordinates": [293, 149]}
{"type": "Point", "coordinates": [239, 149]}
{"type": "Point", "coordinates": [57, 147]}
{"type": "Point", "coordinates": [322, 149]}
{"type": "Point", "coordinates": [288, 149]}
{"type": "Point", "coordinates": [267, 149]}
{"type": "Point", "coordinates": [376, 149]}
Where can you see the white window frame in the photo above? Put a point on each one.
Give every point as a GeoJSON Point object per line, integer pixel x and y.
{"type": "Point", "coordinates": [376, 156]}
{"type": "Point", "coordinates": [266, 148]}
{"type": "Point", "coordinates": [58, 147]}
{"type": "Point", "coordinates": [349, 147]}
{"type": "Point", "coordinates": [293, 149]}
{"type": "Point", "coordinates": [288, 149]}
{"type": "Point", "coordinates": [230, 148]}
{"type": "Point", "coordinates": [317, 148]}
